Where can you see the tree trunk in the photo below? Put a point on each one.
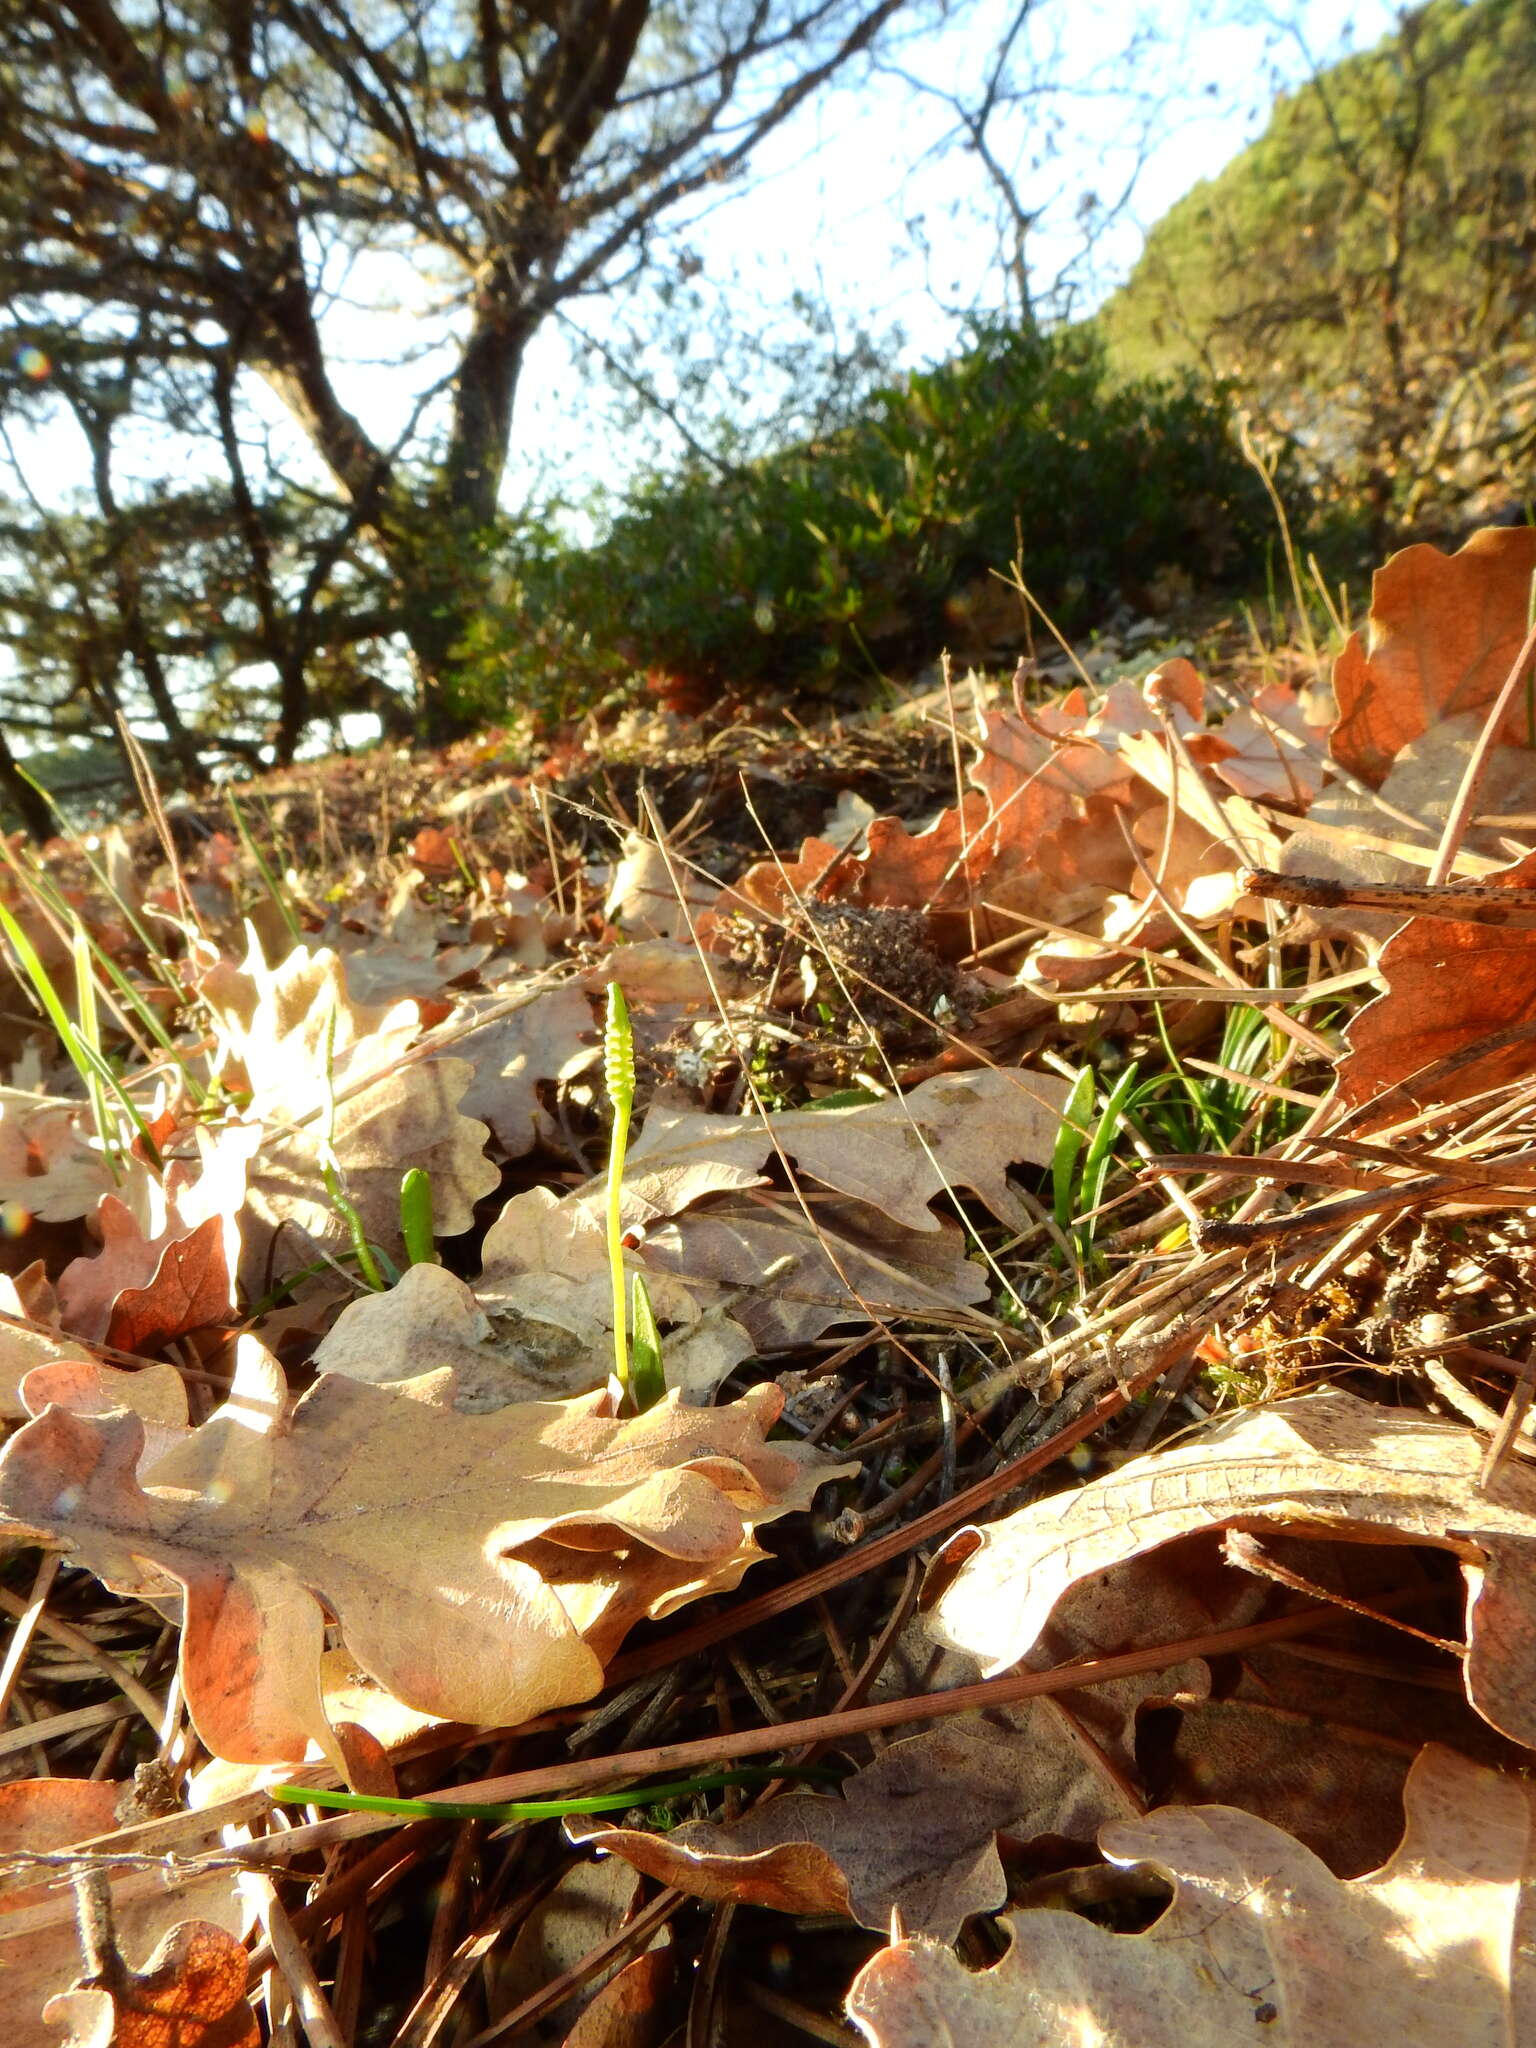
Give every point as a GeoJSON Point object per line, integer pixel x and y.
{"type": "Point", "coordinates": [32, 809]}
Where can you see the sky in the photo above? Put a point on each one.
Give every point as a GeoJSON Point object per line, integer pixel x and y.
{"type": "Point", "coordinates": [860, 202]}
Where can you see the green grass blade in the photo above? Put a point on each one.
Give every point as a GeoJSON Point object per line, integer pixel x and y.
{"type": "Point", "coordinates": [647, 1376]}
{"type": "Point", "coordinates": [84, 1058]}
{"type": "Point", "coordinates": [1071, 1137]}
{"type": "Point", "coordinates": [543, 1809]}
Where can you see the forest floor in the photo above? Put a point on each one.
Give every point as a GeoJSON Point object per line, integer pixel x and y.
{"type": "Point", "coordinates": [914, 1479]}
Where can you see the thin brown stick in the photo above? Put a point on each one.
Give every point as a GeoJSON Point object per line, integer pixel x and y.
{"type": "Point", "coordinates": [1458, 902]}
{"type": "Point", "coordinates": [583, 1775]}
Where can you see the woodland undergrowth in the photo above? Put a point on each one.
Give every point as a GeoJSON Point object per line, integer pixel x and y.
{"type": "Point", "coordinates": [1076, 1215]}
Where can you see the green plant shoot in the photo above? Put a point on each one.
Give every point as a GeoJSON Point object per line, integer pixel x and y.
{"type": "Point", "coordinates": [416, 1223]}
{"type": "Point", "coordinates": [368, 1256]}
{"type": "Point", "coordinates": [641, 1379]}
{"type": "Point", "coordinates": [87, 1061]}
{"type": "Point", "coordinates": [619, 1081]}
{"type": "Point", "coordinates": [1071, 1137]}
{"type": "Point", "coordinates": [544, 1809]}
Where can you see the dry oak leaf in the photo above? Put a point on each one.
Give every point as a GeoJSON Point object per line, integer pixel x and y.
{"type": "Point", "coordinates": [1261, 1942]}
{"type": "Point", "coordinates": [841, 1264]}
{"type": "Point", "coordinates": [642, 899]}
{"type": "Point", "coordinates": [956, 1130]}
{"type": "Point", "coordinates": [916, 1831]}
{"type": "Point", "coordinates": [170, 1248]}
{"type": "Point", "coordinates": [190, 1994]}
{"type": "Point", "coordinates": [1458, 1015]}
{"type": "Point", "coordinates": [1346, 836]}
{"type": "Point", "coordinates": [47, 1166]}
{"type": "Point", "coordinates": [157, 1394]}
{"type": "Point", "coordinates": [546, 1274]}
{"type": "Point", "coordinates": [22, 1348]}
{"type": "Point", "coordinates": [1444, 633]}
{"type": "Point", "coordinates": [512, 1054]}
{"type": "Point", "coordinates": [47, 1815]}
{"type": "Point", "coordinates": [1328, 1462]}
{"type": "Point", "coordinates": [319, 1064]}
{"type": "Point", "coordinates": [1075, 1757]}
{"type": "Point", "coordinates": [480, 1567]}
{"type": "Point", "coordinates": [432, 1318]}
{"type": "Point", "coordinates": [1275, 755]}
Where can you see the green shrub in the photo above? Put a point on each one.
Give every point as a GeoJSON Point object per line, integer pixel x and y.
{"type": "Point", "coordinates": [835, 560]}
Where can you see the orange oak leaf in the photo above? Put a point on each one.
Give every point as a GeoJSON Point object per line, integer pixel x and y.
{"type": "Point", "coordinates": [48, 1815]}
{"type": "Point", "coordinates": [481, 1567]}
{"type": "Point", "coordinates": [1444, 633]}
{"type": "Point", "coordinates": [1458, 1014]}
{"type": "Point", "coordinates": [190, 1994]}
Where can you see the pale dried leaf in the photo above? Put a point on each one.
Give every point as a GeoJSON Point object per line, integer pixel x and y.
{"type": "Point", "coordinates": [1276, 754]}
{"type": "Point", "coordinates": [21, 1349]}
{"type": "Point", "coordinates": [956, 1130]}
{"type": "Point", "coordinates": [472, 1561]}
{"type": "Point", "coordinates": [431, 1319]}
{"type": "Point", "coordinates": [642, 898]}
{"type": "Point", "coordinates": [844, 1264]}
{"type": "Point", "coordinates": [547, 1281]}
{"type": "Point", "coordinates": [48, 1167]}
{"type": "Point", "coordinates": [1261, 1941]}
{"type": "Point", "coordinates": [916, 1830]}
{"type": "Point", "coordinates": [321, 1066]}
{"type": "Point", "coordinates": [1326, 1461]}
{"type": "Point", "coordinates": [511, 1055]}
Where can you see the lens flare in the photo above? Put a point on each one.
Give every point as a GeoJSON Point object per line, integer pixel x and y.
{"type": "Point", "coordinates": [33, 363]}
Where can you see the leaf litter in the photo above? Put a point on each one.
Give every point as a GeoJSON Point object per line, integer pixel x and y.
{"type": "Point", "coordinates": [1009, 1175]}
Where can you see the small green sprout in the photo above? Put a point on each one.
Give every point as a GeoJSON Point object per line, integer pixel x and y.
{"type": "Point", "coordinates": [370, 1260]}
{"type": "Point", "coordinates": [416, 1224]}
{"type": "Point", "coordinates": [640, 1376]}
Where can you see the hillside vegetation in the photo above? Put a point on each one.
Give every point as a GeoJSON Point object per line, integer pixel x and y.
{"type": "Point", "coordinates": [1362, 277]}
{"type": "Point", "coordinates": [866, 552]}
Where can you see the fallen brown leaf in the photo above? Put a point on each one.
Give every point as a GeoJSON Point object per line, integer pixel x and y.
{"type": "Point", "coordinates": [190, 1994]}
{"type": "Point", "coordinates": [49, 1815]}
{"type": "Point", "coordinates": [844, 1263]}
{"type": "Point", "coordinates": [1444, 632]}
{"type": "Point", "coordinates": [956, 1130]}
{"type": "Point", "coordinates": [481, 1567]}
{"type": "Point", "coordinates": [47, 1168]}
{"type": "Point", "coordinates": [1450, 987]}
{"type": "Point", "coordinates": [511, 1055]}
{"type": "Point", "coordinates": [1327, 1462]}
{"type": "Point", "coordinates": [916, 1830]}
{"type": "Point", "coordinates": [324, 1070]}
{"type": "Point", "coordinates": [1261, 1941]}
